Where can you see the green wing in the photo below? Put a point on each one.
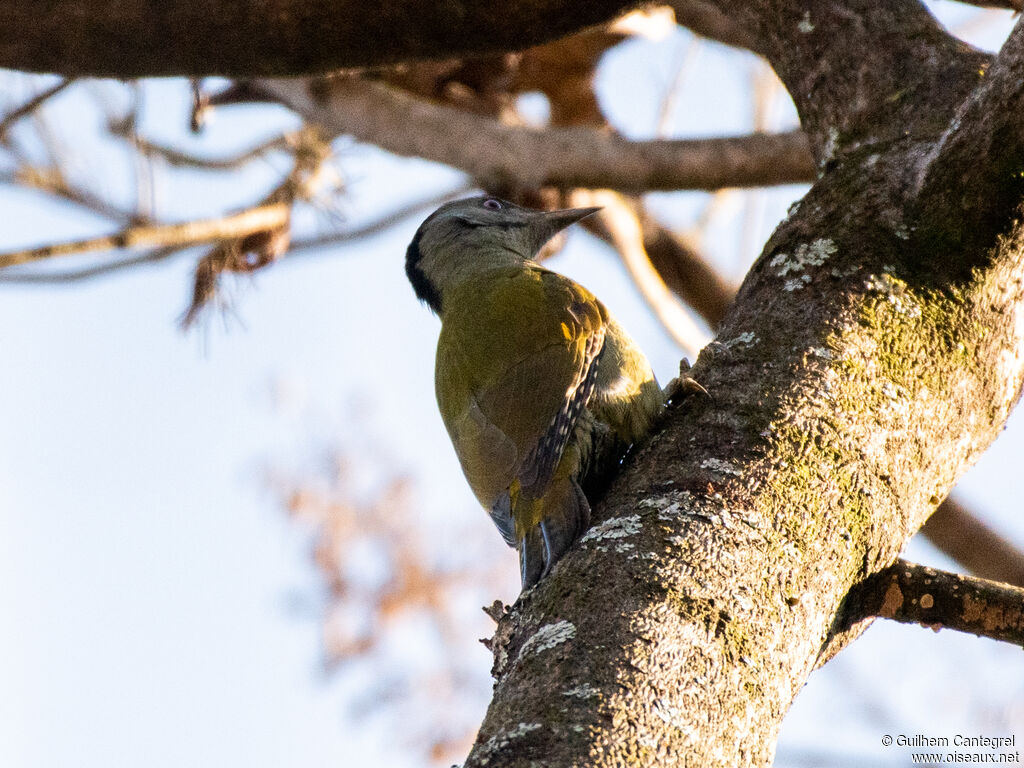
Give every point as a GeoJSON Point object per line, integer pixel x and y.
{"type": "Point", "coordinates": [515, 367]}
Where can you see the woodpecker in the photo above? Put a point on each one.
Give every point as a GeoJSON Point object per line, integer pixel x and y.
{"type": "Point", "coordinates": [541, 390]}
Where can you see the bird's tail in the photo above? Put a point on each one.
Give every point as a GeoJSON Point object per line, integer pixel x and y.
{"type": "Point", "coordinates": [552, 523]}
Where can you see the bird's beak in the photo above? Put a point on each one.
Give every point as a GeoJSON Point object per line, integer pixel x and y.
{"type": "Point", "coordinates": [559, 220]}
{"type": "Point", "coordinates": [550, 223]}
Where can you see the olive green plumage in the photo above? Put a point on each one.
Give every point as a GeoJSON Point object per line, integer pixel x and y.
{"type": "Point", "coordinates": [540, 389]}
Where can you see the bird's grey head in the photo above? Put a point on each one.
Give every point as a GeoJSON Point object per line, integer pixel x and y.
{"type": "Point", "coordinates": [466, 237]}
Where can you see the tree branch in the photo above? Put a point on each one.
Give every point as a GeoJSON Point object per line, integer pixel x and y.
{"type": "Point", "coordinates": [31, 105]}
{"type": "Point", "coordinates": [253, 38]}
{"type": "Point", "coordinates": [914, 594]}
{"type": "Point", "coordinates": [87, 273]}
{"type": "Point", "coordinates": [619, 225]}
{"type": "Point", "coordinates": [250, 38]}
{"type": "Point", "coordinates": [181, 159]}
{"type": "Point", "coordinates": [953, 528]}
{"type": "Point", "coordinates": [989, 125]}
{"type": "Point", "coordinates": [298, 247]}
{"type": "Point", "coordinates": [960, 535]}
{"type": "Point", "coordinates": [493, 152]}
{"type": "Point", "coordinates": [705, 19]}
{"type": "Point", "coordinates": [237, 225]}
{"type": "Point", "coordinates": [53, 183]}
{"type": "Point", "coordinates": [816, 48]}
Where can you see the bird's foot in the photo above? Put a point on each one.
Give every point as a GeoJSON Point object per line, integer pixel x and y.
{"type": "Point", "coordinates": [683, 386]}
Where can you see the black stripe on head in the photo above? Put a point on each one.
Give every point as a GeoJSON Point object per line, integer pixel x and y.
{"type": "Point", "coordinates": [425, 290]}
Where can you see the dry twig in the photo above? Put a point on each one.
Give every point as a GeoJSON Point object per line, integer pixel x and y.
{"type": "Point", "coordinates": [181, 159]}
{"type": "Point", "coordinates": [31, 105]}
{"type": "Point", "coordinates": [236, 225]}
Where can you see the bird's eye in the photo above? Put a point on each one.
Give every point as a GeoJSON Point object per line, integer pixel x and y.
{"type": "Point", "coordinates": [493, 205]}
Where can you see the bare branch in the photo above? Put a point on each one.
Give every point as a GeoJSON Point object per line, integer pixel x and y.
{"type": "Point", "coordinates": [53, 183]}
{"type": "Point", "coordinates": [265, 246]}
{"type": "Point", "coordinates": [493, 152]}
{"type": "Point", "coordinates": [704, 19]}
{"type": "Point", "coordinates": [956, 531]}
{"type": "Point", "coordinates": [250, 38]}
{"type": "Point", "coordinates": [298, 247]}
{"type": "Point", "coordinates": [236, 225]}
{"type": "Point", "coordinates": [31, 105]}
{"type": "Point", "coordinates": [914, 594]}
{"type": "Point", "coordinates": [181, 159]}
{"type": "Point", "coordinates": [618, 224]}
{"type": "Point", "coordinates": [87, 273]}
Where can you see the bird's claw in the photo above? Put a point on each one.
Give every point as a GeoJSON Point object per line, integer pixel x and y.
{"type": "Point", "coordinates": [683, 386]}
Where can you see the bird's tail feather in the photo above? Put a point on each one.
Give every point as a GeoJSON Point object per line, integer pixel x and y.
{"type": "Point", "coordinates": [564, 516]}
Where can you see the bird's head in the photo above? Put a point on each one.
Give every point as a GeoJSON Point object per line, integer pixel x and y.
{"type": "Point", "coordinates": [466, 237]}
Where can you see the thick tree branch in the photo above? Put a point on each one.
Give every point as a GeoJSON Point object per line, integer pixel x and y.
{"type": "Point", "coordinates": [707, 19]}
{"type": "Point", "coordinates": [918, 73]}
{"type": "Point", "coordinates": [250, 38]}
{"type": "Point", "coordinates": [493, 152]}
{"type": "Point", "coordinates": [953, 528]}
{"type": "Point", "coordinates": [914, 594]}
{"type": "Point", "coordinates": [954, 186]}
